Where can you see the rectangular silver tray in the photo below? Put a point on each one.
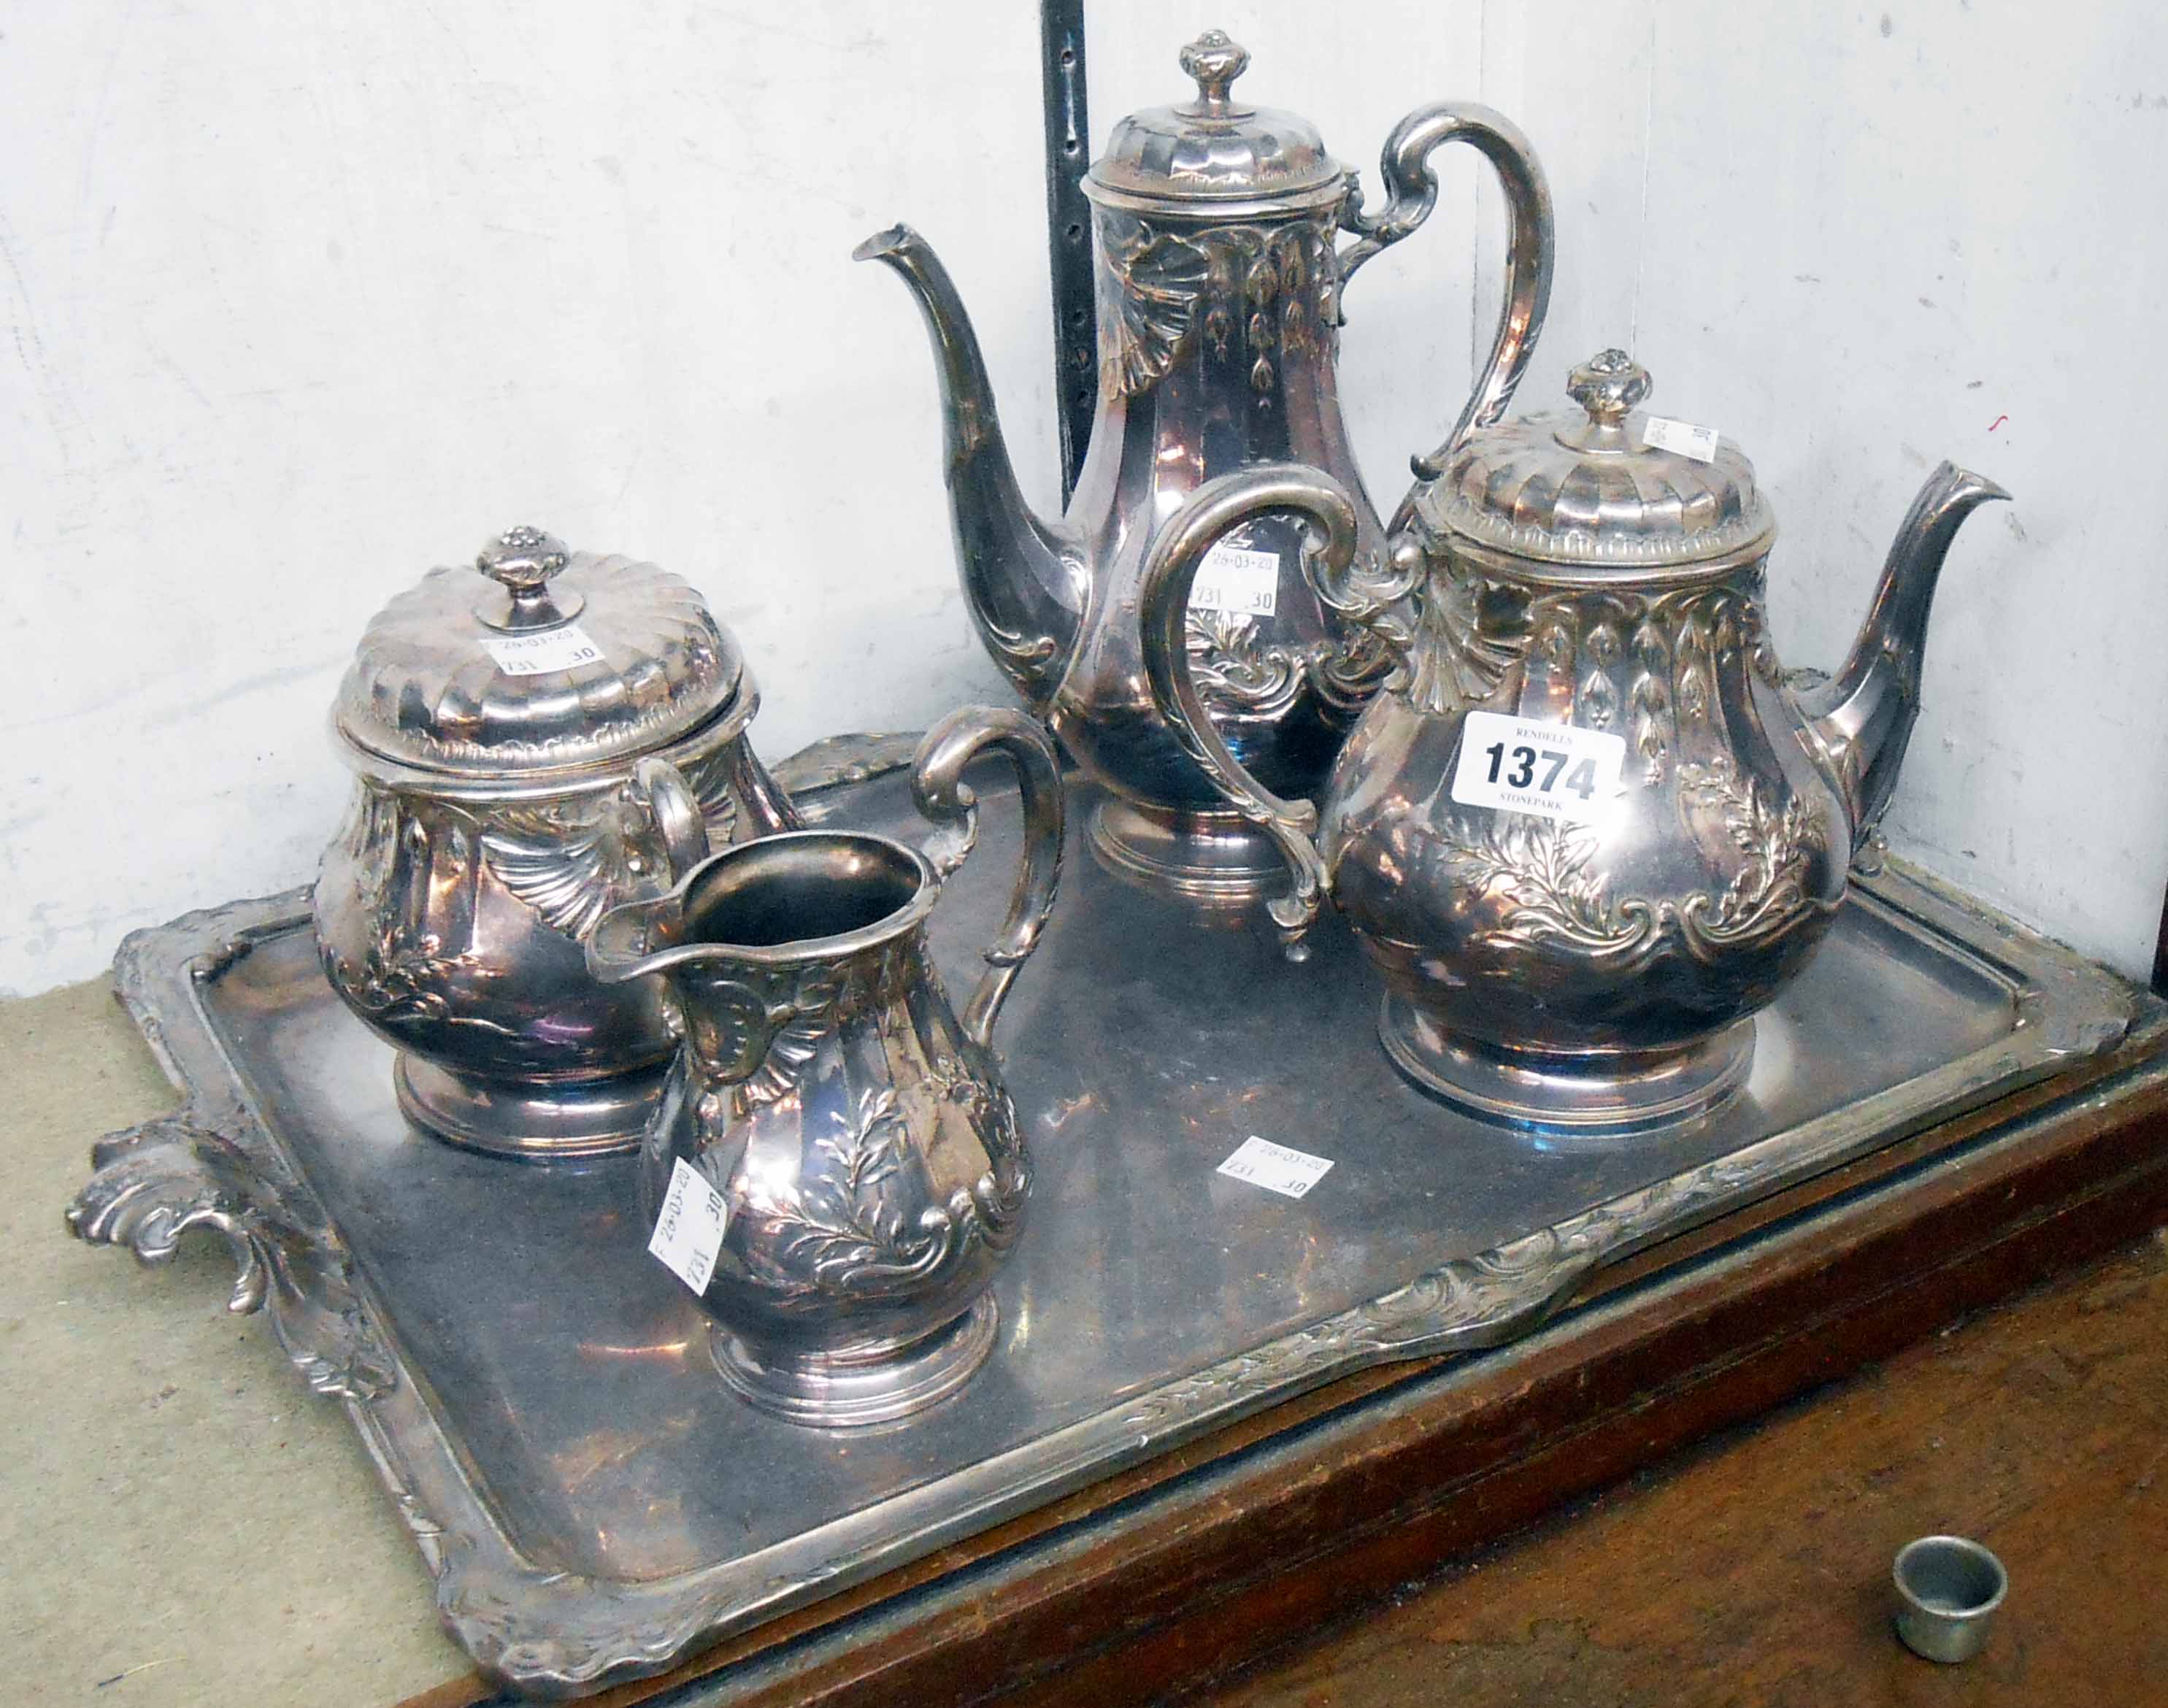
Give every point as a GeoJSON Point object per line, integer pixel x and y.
{"type": "Point", "coordinates": [537, 1393]}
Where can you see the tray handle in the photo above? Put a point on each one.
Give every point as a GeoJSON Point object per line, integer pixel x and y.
{"type": "Point", "coordinates": [156, 1182]}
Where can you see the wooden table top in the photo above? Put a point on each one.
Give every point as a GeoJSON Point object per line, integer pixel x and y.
{"type": "Point", "coordinates": [1754, 1568]}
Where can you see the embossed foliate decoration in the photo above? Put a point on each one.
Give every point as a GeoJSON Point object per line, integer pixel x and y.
{"type": "Point", "coordinates": [1475, 629]}
{"type": "Point", "coordinates": [1237, 671]}
{"type": "Point", "coordinates": [161, 1181]}
{"type": "Point", "coordinates": [1021, 657]}
{"type": "Point", "coordinates": [403, 975]}
{"type": "Point", "coordinates": [1471, 633]}
{"type": "Point", "coordinates": [402, 980]}
{"type": "Point", "coordinates": [1162, 284]}
{"type": "Point", "coordinates": [1770, 893]}
{"type": "Point", "coordinates": [1540, 867]}
{"type": "Point", "coordinates": [571, 861]}
{"type": "Point", "coordinates": [1260, 294]}
{"type": "Point", "coordinates": [848, 1230]}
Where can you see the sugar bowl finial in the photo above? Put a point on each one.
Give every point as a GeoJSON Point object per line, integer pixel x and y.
{"type": "Point", "coordinates": [523, 560]}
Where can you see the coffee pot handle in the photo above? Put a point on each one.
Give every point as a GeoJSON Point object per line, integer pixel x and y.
{"type": "Point", "coordinates": [1411, 192]}
{"type": "Point", "coordinates": [1216, 508]}
{"type": "Point", "coordinates": [937, 786]}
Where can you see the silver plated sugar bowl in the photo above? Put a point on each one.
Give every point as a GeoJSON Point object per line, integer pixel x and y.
{"type": "Point", "coordinates": [872, 1171]}
{"type": "Point", "coordinates": [1220, 267]}
{"type": "Point", "coordinates": [1592, 826]}
{"type": "Point", "coordinates": [496, 718]}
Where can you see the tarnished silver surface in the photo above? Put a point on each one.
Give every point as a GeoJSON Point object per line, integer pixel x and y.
{"type": "Point", "coordinates": [1219, 315]}
{"type": "Point", "coordinates": [496, 816]}
{"type": "Point", "coordinates": [1596, 973]}
{"type": "Point", "coordinates": [867, 1153]}
{"type": "Point", "coordinates": [539, 1395]}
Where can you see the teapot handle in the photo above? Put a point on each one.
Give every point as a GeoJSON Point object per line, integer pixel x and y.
{"type": "Point", "coordinates": [1411, 192]}
{"type": "Point", "coordinates": [937, 786]}
{"type": "Point", "coordinates": [1217, 508]}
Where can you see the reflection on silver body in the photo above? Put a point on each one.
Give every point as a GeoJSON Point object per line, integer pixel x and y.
{"type": "Point", "coordinates": [1595, 972]}
{"type": "Point", "coordinates": [496, 817]}
{"type": "Point", "coordinates": [1219, 312]}
{"type": "Point", "coordinates": [859, 1132]}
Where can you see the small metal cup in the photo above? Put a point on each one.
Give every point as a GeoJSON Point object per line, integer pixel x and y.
{"type": "Point", "coordinates": [1948, 1591]}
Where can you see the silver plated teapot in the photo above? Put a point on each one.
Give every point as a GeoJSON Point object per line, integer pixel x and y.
{"type": "Point", "coordinates": [1591, 825]}
{"type": "Point", "coordinates": [496, 724]}
{"type": "Point", "coordinates": [873, 1172]}
{"type": "Point", "coordinates": [1218, 286]}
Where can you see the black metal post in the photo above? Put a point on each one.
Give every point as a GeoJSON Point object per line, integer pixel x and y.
{"type": "Point", "coordinates": [1069, 229]}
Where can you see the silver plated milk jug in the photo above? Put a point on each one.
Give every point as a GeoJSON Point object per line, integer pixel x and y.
{"type": "Point", "coordinates": [496, 724]}
{"type": "Point", "coordinates": [869, 1161]}
{"type": "Point", "coordinates": [1219, 285]}
{"type": "Point", "coordinates": [1591, 826]}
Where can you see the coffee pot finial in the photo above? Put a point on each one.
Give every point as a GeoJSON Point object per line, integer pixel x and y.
{"type": "Point", "coordinates": [1216, 59]}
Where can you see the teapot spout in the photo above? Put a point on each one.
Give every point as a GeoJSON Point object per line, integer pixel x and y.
{"type": "Point", "coordinates": [1026, 596]}
{"type": "Point", "coordinates": [1859, 723]}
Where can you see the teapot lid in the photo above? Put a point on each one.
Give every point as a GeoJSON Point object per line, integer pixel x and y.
{"type": "Point", "coordinates": [1214, 150]}
{"type": "Point", "coordinates": [1591, 491]}
{"type": "Point", "coordinates": [544, 662]}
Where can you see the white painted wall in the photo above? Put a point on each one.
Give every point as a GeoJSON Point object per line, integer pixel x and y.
{"type": "Point", "coordinates": [304, 299]}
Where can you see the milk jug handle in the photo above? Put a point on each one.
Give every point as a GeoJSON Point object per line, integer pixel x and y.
{"type": "Point", "coordinates": [937, 786]}
{"type": "Point", "coordinates": [1214, 510]}
{"type": "Point", "coordinates": [1411, 192]}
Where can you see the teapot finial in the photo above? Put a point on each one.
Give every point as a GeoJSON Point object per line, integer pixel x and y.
{"type": "Point", "coordinates": [1610, 386]}
{"type": "Point", "coordinates": [1216, 59]}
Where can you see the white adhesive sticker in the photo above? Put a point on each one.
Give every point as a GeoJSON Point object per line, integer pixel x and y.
{"type": "Point", "coordinates": [1275, 1167]}
{"type": "Point", "coordinates": [563, 648]}
{"type": "Point", "coordinates": [689, 1230]}
{"type": "Point", "coordinates": [1237, 582]}
{"type": "Point", "coordinates": [1683, 437]}
{"type": "Point", "coordinates": [1554, 771]}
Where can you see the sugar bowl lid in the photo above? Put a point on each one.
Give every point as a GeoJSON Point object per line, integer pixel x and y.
{"type": "Point", "coordinates": [536, 661]}
{"type": "Point", "coordinates": [1214, 150]}
{"type": "Point", "coordinates": [1590, 490]}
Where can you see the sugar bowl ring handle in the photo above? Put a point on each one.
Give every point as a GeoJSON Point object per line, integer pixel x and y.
{"type": "Point", "coordinates": [1215, 509]}
{"type": "Point", "coordinates": [937, 786]}
{"type": "Point", "coordinates": [675, 811]}
{"type": "Point", "coordinates": [1411, 192]}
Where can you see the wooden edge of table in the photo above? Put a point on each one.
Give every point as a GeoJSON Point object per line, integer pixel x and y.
{"type": "Point", "coordinates": [1212, 1555]}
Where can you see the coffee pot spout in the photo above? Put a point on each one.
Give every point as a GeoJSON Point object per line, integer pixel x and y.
{"type": "Point", "coordinates": [1025, 594]}
{"type": "Point", "coordinates": [1859, 723]}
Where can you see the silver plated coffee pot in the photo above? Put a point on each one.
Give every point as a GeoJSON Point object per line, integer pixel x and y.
{"type": "Point", "coordinates": [873, 1174]}
{"type": "Point", "coordinates": [1218, 286]}
{"type": "Point", "coordinates": [496, 724]}
{"type": "Point", "coordinates": [1591, 826]}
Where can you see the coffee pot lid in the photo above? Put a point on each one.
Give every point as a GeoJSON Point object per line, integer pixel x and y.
{"type": "Point", "coordinates": [1214, 150]}
{"type": "Point", "coordinates": [537, 661]}
{"type": "Point", "coordinates": [1592, 489]}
